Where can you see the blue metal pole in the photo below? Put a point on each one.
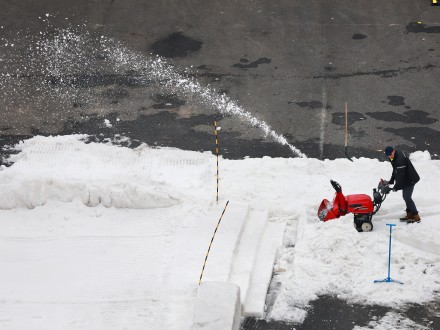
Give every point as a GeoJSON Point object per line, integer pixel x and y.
{"type": "Point", "coordinates": [389, 249]}
{"type": "Point", "coordinates": [389, 279]}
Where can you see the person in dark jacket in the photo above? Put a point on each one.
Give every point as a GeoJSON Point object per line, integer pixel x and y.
{"type": "Point", "coordinates": [405, 177]}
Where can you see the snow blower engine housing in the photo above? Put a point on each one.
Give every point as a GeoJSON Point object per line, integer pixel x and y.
{"type": "Point", "coordinates": [361, 205]}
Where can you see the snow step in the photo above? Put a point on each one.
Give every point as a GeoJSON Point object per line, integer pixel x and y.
{"type": "Point", "coordinates": [270, 240]}
{"type": "Point", "coordinates": [217, 307]}
{"type": "Point", "coordinates": [246, 253]}
{"type": "Point", "coordinates": [220, 260]}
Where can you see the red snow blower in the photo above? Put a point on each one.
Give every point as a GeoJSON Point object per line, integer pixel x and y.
{"type": "Point", "coordinates": [361, 205]}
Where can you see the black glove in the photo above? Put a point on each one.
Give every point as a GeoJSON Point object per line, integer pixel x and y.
{"type": "Point", "coordinates": [386, 190]}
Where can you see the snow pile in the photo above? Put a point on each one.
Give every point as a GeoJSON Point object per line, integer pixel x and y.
{"type": "Point", "coordinates": [137, 253]}
{"type": "Point", "coordinates": [351, 262]}
{"type": "Point", "coordinates": [65, 169]}
{"type": "Point", "coordinates": [392, 321]}
{"type": "Point", "coordinates": [420, 156]}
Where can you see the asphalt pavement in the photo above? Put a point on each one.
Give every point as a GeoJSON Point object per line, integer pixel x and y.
{"type": "Point", "coordinates": [291, 64]}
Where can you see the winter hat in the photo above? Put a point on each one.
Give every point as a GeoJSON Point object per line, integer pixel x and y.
{"type": "Point", "coordinates": [388, 151]}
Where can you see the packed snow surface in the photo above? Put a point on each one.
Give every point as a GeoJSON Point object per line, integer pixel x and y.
{"type": "Point", "coordinates": [97, 236]}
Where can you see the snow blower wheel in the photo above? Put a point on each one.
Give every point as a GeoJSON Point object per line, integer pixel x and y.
{"type": "Point", "coordinates": [362, 222]}
{"type": "Point", "coordinates": [363, 226]}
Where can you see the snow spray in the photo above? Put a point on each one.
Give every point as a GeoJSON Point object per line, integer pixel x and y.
{"type": "Point", "coordinates": [59, 63]}
{"type": "Point", "coordinates": [212, 239]}
{"type": "Point", "coordinates": [389, 279]}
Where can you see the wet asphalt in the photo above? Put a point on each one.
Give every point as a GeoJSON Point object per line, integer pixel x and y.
{"type": "Point", "coordinates": [292, 64]}
{"type": "Point", "coordinates": [331, 313]}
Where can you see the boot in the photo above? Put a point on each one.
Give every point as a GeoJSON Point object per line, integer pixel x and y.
{"type": "Point", "coordinates": [415, 218]}
{"type": "Point", "coordinates": [408, 216]}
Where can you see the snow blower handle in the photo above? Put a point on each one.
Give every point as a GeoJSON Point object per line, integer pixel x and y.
{"type": "Point", "coordinates": [384, 187]}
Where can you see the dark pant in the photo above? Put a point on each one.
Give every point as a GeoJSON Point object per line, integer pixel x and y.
{"type": "Point", "coordinates": [407, 196]}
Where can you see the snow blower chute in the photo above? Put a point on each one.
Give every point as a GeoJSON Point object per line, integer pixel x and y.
{"type": "Point", "coordinates": [361, 205]}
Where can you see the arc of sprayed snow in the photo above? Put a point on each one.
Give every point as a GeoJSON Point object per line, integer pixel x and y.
{"type": "Point", "coordinates": [71, 46]}
{"type": "Point", "coordinates": [229, 106]}
{"type": "Point", "coordinates": [221, 102]}
{"type": "Point", "coordinates": [162, 71]}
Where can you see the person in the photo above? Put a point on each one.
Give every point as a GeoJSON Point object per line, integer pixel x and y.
{"type": "Point", "coordinates": [405, 177]}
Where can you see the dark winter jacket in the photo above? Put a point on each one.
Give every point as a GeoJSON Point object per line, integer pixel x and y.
{"type": "Point", "coordinates": [404, 172]}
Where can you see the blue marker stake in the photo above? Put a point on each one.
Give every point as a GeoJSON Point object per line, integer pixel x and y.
{"type": "Point", "coordinates": [389, 279]}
